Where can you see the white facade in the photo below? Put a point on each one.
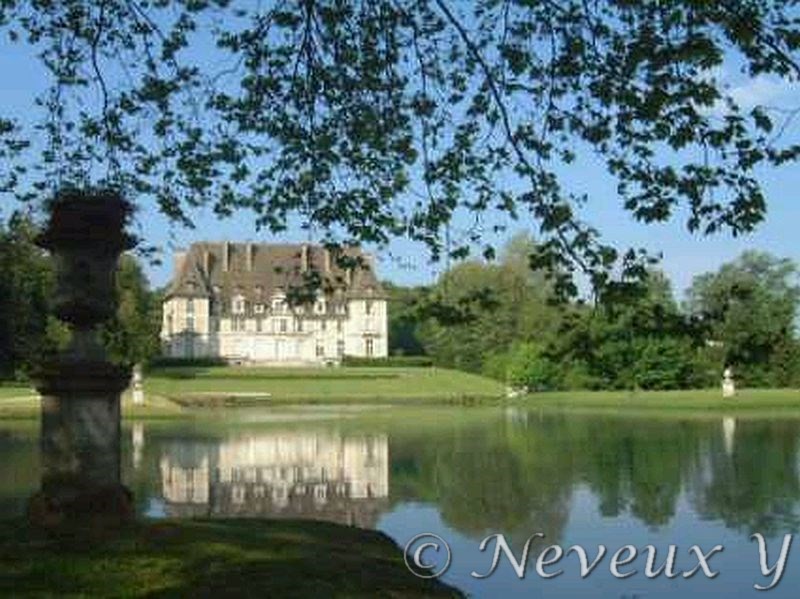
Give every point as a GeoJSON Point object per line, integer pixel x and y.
{"type": "Point", "coordinates": [244, 327]}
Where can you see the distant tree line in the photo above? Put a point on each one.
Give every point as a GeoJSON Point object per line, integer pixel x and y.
{"type": "Point", "coordinates": [500, 319]}
{"type": "Point", "coordinates": [497, 318]}
{"type": "Point", "coordinates": [27, 328]}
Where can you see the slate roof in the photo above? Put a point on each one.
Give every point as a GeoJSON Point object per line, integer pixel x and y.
{"type": "Point", "coordinates": [258, 270]}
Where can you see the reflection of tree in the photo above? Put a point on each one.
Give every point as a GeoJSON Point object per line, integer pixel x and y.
{"type": "Point", "coordinates": [517, 477]}
{"type": "Point", "coordinates": [499, 478]}
{"type": "Point", "coordinates": [638, 466]}
{"type": "Point", "coordinates": [756, 488]}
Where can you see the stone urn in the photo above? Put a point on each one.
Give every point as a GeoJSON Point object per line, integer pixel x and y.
{"type": "Point", "coordinates": [80, 387]}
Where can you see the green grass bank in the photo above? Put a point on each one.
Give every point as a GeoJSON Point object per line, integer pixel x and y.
{"type": "Point", "coordinates": [693, 400]}
{"type": "Point", "coordinates": [209, 558]}
{"type": "Point", "coordinates": [179, 392]}
{"type": "Point", "coordinates": [172, 392]}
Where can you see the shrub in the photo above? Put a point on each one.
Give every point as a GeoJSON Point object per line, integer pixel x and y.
{"type": "Point", "coordinates": [495, 366]}
{"type": "Point", "coordinates": [528, 367]}
{"type": "Point", "coordinates": [664, 363]}
{"type": "Point", "coordinates": [390, 361]}
{"type": "Point", "coordinates": [166, 362]}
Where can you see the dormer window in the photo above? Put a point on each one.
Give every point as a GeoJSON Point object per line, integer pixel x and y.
{"type": "Point", "coordinates": [258, 308]}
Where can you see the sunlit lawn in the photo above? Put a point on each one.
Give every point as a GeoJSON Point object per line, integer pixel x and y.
{"type": "Point", "coordinates": [249, 385]}
{"type": "Point", "coordinates": [696, 400]}
{"type": "Point", "coordinates": [170, 391]}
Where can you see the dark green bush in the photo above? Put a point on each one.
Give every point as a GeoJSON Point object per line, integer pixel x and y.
{"type": "Point", "coordinates": [390, 361]}
{"type": "Point", "coordinates": [165, 362]}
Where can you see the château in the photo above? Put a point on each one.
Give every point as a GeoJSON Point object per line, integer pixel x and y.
{"type": "Point", "coordinates": [254, 303]}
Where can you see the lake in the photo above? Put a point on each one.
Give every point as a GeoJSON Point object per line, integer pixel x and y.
{"type": "Point", "coordinates": [466, 473]}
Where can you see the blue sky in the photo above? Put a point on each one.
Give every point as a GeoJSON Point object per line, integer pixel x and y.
{"type": "Point", "coordinates": [684, 255]}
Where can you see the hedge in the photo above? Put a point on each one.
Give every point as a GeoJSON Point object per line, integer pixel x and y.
{"type": "Point", "coordinates": [165, 362]}
{"type": "Point", "coordinates": [390, 361]}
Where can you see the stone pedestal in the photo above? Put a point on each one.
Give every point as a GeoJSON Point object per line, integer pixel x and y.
{"type": "Point", "coordinates": [80, 388]}
{"type": "Point", "coordinates": [80, 446]}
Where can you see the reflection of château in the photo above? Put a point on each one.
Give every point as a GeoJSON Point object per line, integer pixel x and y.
{"type": "Point", "coordinates": [283, 475]}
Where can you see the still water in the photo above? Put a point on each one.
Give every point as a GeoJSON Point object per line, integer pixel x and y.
{"type": "Point", "coordinates": [464, 474]}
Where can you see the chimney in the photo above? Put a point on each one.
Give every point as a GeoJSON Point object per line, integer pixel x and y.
{"type": "Point", "coordinates": [179, 259]}
{"type": "Point", "coordinates": [226, 259]}
{"type": "Point", "coordinates": [327, 260]}
{"type": "Point", "coordinates": [304, 257]}
{"type": "Point", "coordinates": [207, 262]}
{"type": "Point", "coordinates": [250, 253]}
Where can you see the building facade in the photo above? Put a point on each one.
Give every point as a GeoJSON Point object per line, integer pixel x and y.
{"type": "Point", "coordinates": [285, 304]}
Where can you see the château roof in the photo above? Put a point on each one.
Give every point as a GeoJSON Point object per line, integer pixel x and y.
{"type": "Point", "coordinates": [259, 270]}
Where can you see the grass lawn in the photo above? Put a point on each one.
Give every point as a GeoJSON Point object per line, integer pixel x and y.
{"type": "Point", "coordinates": [264, 386]}
{"type": "Point", "coordinates": [210, 558]}
{"type": "Point", "coordinates": [709, 400]}
{"type": "Point", "coordinates": [15, 391]}
{"type": "Point", "coordinates": [172, 392]}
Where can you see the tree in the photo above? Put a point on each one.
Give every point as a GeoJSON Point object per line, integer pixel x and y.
{"type": "Point", "coordinates": [385, 119]}
{"type": "Point", "coordinates": [132, 335]}
{"type": "Point", "coordinates": [478, 310]}
{"type": "Point", "coordinates": [749, 307]}
{"type": "Point", "coordinates": [26, 330]}
{"type": "Point", "coordinates": [635, 336]}
{"type": "Point", "coordinates": [403, 337]}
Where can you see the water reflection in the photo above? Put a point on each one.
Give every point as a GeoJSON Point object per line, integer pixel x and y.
{"type": "Point", "coordinates": [488, 471]}
{"type": "Point", "coordinates": [278, 474]}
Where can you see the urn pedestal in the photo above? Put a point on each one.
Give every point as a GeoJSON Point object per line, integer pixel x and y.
{"type": "Point", "coordinates": [80, 388]}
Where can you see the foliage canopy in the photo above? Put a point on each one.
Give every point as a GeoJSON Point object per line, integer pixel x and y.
{"type": "Point", "coordinates": [388, 118]}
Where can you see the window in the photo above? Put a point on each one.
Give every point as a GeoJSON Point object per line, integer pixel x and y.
{"type": "Point", "coordinates": [368, 307]}
{"type": "Point", "coordinates": [298, 325]}
{"type": "Point", "coordinates": [323, 325]}
{"type": "Point", "coordinates": [190, 306]}
{"type": "Point", "coordinates": [169, 324]}
{"type": "Point", "coordinates": [282, 325]}
{"type": "Point", "coordinates": [340, 348]}
{"type": "Point", "coordinates": [215, 324]}
{"type": "Point", "coordinates": [259, 308]}
{"type": "Point", "coordinates": [258, 325]}
{"type": "Point", "coordinates": [190, 323]}
{"type": "Point", "coordinates": [369, 347]}
{"type": "Point", "coordinates": [277, 306]}
{"type": "Point", "coordinates": [341, 308]}
{"type": "Point", "coordinates": [238, 305]}
{"type": "Point", "coordinates": [320, 350]}
{"type": "Point", "coordinates": [339, 326]}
